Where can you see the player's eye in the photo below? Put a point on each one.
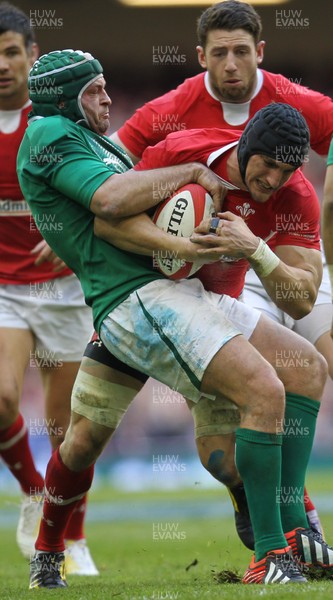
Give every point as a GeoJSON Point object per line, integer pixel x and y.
{"type": "Point", "coordinates": [242, 51]}
{"type": "Point", "coordinates": [12, 53]}
{"type": "Point", "coordinates": [219, 53]}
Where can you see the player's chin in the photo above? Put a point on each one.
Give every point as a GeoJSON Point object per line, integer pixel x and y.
{"type": "Point", "coordinates": [103, 125]}
{"type": "Point", "coordinates": [233, 93]}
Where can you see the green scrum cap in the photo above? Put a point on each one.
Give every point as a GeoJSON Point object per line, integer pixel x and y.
{"type": "Point", "coordinates": [58, 77]}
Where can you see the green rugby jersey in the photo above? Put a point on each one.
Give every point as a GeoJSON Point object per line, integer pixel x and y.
{"type": "Point", "coordinates": [60, 165]}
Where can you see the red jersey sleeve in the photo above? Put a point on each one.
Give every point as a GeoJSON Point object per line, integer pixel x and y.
{"type": "Point", "coordinates": [297, 215]}
{"type": "Point", "coordinates": [193, 145]}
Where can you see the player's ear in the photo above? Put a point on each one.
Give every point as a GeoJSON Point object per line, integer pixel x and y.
{"type": "Point", "coordinates": [201, 57]}
{"type": "Point", "coordinates": [260, 51]}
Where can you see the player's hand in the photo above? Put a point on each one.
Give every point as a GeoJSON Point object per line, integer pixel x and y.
{"type": "Point", "coordinates": [195, 252]}
{"type": "Point", "coordinates": [45, 253]}
{"type": "Point", "coordinates": [232, 237]}
{"type": "Point", "coordinates": [212, 184]}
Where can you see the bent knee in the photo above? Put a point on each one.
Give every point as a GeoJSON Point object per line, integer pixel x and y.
{"type": "Point", "coordinates": [84, 442]}
{"type": "Point", "coordinates": [222, 467]}
{"type": "Point", "coordinates": [265, 397]}
{"type": "Point", "coordinates": [9, 406]}
{"type": "Point", "coordinates": [312, 377]}
{"type": "Point", "coordinates": [217, 455]}
{"type": "Point", "coordinates": [321, 366]}
{"type": "Point", "coordinates": [319, 374]}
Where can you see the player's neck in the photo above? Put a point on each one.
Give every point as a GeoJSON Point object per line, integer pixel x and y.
{"type": "Point", "coordinates": [233, 171]}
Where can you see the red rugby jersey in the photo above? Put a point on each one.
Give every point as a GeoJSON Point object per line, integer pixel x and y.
{"type": "Point", "coordinates": [193, 105]}
{"type": "Point", "coordinates": [18, 231]}
{"type": "Point", "coordinates": [289, 218]}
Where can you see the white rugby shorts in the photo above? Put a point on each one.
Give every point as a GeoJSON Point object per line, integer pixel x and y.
{"type": "Point", "coordinates": [171, 330]}
{"type": "Point", "coordinates": [54, 311]}
{"type": "Point", "coordinates": [312, 326]}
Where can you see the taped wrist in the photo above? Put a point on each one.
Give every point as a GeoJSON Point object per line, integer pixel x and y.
{"type": "Point", "coordinates": [263, 260]}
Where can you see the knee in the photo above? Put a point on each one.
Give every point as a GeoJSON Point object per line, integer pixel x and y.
{"type": "Point", "coordinates": [318, 374]}
{"type": "Point", "coordinates": [56, 438]}
{"type": "Point", "coordinates": [219, 463]}
{"type": "Point", "coordinates": [312, 377]}
{"type": "Point", "coordinates": [78, 451]}
{"type": "Point", "coordinates": [265, 399]}
{"type": "Point", "coordinates": [81, 446]}
{"type": "Point", "coordinates": [9, 405]}
{"type": "Point", "coordinates": [222, 468]}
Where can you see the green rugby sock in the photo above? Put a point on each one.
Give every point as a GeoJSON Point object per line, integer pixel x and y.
{"type": "Point", "coordinates": [298, 428]}
{"type": "Point", "coordinates": [258, 459]}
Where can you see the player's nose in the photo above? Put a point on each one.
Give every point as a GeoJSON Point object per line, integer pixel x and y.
{"type": "Point", "coordinates": [230, 62]}
{"type": "Point", "coordinates": [107, 99]}
{"type": "Point", "coordinates": [274, 179]}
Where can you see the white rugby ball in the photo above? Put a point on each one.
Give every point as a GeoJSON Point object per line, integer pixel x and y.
{"type": "Point", "coordinates": [179, 215]}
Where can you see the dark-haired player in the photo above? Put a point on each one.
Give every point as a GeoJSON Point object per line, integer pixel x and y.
{"type": "Point", "coordinates": [149, 322]}
{"type": "Point", "coordinates": [43, 316]}
{"type": "Point", "coordinates": [232, 88]}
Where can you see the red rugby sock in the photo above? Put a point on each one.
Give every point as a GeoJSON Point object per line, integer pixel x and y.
{"type": "Point", "coordinates": [15, 452]}
{"type": "Point", "coordinates": [64, 489]}
{"type": "Point", "coordinates": [308, 502]}
{"type": "Point", "coordinates": [75, 525]}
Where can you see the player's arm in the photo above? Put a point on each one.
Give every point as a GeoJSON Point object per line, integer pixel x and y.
{"type": "Point", "coordinates": [82, 177]}
{"type": "Point", "coordinates": [116, 140]}
{"type": "Point", "coordinates": [293, 284]}
{"type": "Point", "coordinates": [138, 234]}
{"type": "Point", "coordinates": [134, 192]}
{"type": "Point", "coordinates": [291, 275]}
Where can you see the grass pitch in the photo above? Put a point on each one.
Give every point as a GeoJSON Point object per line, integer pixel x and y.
{"type": "Point", "coordinates": [159, 558]}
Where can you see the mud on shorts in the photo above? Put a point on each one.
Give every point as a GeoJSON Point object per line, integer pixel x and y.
{"type": "Point", "coordinates": [171, 330]}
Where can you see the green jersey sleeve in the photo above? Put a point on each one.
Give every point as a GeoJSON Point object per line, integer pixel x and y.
{"type": "Point", "coordinates": [62, 156]}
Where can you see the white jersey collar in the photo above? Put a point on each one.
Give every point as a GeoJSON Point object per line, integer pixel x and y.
{"type": "Point", "coordinates": [234, 113]}
{"type": "Point", "coordinates": [216, 154]}
{"type": "Point", "coordinates": [10, 119]}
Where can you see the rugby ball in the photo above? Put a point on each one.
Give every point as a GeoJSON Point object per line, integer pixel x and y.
{"type": "Point", "coordinates": [179, 215]}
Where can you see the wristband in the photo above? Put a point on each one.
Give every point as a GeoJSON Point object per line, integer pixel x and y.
{"type": "Point", "coordinates": [263, 260]}
{"type": "Point", "coordinates": [330, 270]}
